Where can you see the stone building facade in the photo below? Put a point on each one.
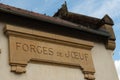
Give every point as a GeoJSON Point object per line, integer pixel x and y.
{"type": "Point", "coordinates": [67, 46]}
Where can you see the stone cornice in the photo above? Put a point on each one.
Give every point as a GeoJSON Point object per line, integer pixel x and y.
{"type": "Point", "coordinates": [47, 36]}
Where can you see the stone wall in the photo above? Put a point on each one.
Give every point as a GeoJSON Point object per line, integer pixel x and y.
{"type": "Point", "coordinates": [102, 59]}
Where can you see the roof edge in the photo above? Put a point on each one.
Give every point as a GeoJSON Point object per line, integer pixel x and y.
{"type": "Point", "coordinates": [53, 20]}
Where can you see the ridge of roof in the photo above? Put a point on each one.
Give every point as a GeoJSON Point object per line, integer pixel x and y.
{"type": "Point", "coordinates": [93, 22]}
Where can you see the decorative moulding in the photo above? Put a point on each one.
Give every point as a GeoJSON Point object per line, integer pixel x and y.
{"type": "Point", "coordinates": [110, 43]}
{"type": "Point", "coordinates": [27, 45]}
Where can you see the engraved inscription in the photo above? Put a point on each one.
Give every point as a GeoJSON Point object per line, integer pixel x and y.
{"type": "Point", "coordinates": [24, 50]}
{"type": "Point", "coordinates": [34, 49]}
{"type": "Point", "coordinates": [44, 50]}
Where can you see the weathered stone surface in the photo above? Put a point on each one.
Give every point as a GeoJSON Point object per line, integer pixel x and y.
{"type": "Point", "coordinates": [30, 45]}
